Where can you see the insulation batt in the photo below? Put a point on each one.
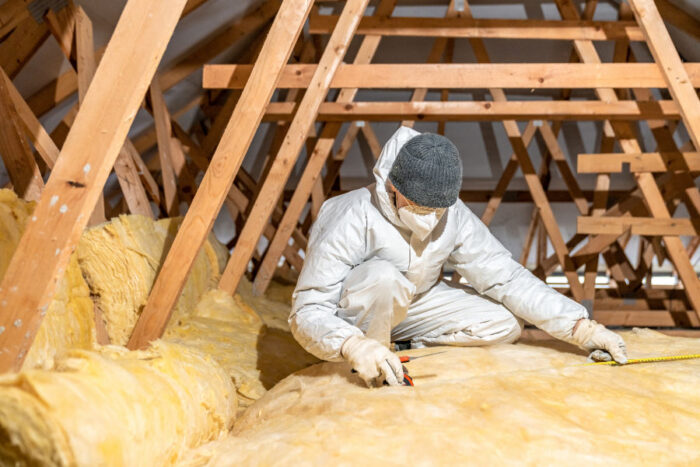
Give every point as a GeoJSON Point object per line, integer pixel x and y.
{"type": "Point", "coordinates": [256, 356]}
{"type": "Point", "coordinates": [120, 260]}
{"type": "Point", "coordinates": [115, 407]}
{"type": "Point", "coordinates": [110, 406]}
{"type": "Point", "coordinates": [507, 404]}
{"type": "Point", "coordinates": [69, 319]}
{"type": "Point", "coordinates": [146, 408]}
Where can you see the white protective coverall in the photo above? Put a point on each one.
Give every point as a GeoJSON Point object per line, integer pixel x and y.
{"type": "Point", "coordinates": [366, 273]}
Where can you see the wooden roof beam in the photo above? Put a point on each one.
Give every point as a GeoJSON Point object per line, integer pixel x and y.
{"type": "Point", "coordinates": [629, 144]}
{"type": "Point", "coordinates": [310, 185]}
{"type": "Point", "coordinates": [642, 162]}
{"type": "Point", "coordinates": [15, 151]}
{"type": "Point", "coordinates": [670, 65]}
{"type": "Point", "coordinates": [66, 84]}
{"type": "Point", "coordinates": [223, 167]}
{"type": "Point", "coordinates": [19, 47]}
{"type": "Point", "coordinates": [292, 144]}
{"type": "Point", "coordinates": [86, 160]}
{"type": "Point", "coordinates": [462, 76]}
{"type": "Point", "coordinates": [467, 28]}
{"type": "Point", "coordinates": [483, 111]}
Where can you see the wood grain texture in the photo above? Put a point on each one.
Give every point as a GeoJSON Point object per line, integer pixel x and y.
{"type": "Point", "coordinates": [78, 177]}
{"type": "Point", "coordinates": [222, 170]}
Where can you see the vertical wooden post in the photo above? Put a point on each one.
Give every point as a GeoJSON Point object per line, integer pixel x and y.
{"type": "Point", "coordinates": [222, 170]}
{"type": "Point", "coordinates": [78, 177]}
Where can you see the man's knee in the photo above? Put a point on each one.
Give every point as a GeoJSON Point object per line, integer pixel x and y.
{"type": "Point", "coordinates": [512, 328]}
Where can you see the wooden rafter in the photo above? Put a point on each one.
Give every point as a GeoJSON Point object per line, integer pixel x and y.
{"type": "Point", "coordinates": [463, 76]}
{"type": "Point", "coordinates": [77, 179]}
{"type": "Point", "coordinates": [219, 178]}
{"type": "Point", "coordinates": [292, 144]}
{"type": "Point", "coordinates": [310, 179]}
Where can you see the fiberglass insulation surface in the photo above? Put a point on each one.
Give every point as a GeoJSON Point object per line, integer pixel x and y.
{"type": "Point", "coordinates": [120, 260]}
{"type": "Point", "coordinates": [508, 404]}
{"type": "Point", "coordinates": [109, 406]}
{"type": "Point", "coordinates": [115, 407]}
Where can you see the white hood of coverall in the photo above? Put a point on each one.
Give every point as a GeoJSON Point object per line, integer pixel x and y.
{"type": "Point", "coordinates": [383, 198]}
{"type": "Point", "coordinates": [363, 225]}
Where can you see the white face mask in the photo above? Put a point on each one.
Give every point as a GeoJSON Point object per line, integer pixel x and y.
{"type": "Point", "coordinates": [421, 221]}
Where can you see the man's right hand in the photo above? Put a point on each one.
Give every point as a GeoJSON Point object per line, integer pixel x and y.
{"type": "Point", "coordinates": [373, 362]}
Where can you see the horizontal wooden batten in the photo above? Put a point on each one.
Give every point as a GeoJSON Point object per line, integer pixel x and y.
{"type": "Point", "coordinates": [461, 76]}
{"type": "Point", "coordinates": [483, 111]}
{"type": "Point", "coordinates": [647, 318]}
{"type": "Point", "coordinates": [642, 162]}
{"type": "Point", "coordinates": [637, 226]}
{"type": "Point", "coordinates": [486, 28]}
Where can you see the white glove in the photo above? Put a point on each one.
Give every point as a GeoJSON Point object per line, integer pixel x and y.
{"type": "Point", "coordinates": [602, 342]}
{"type": "Point", "coordinates": [373, 362]}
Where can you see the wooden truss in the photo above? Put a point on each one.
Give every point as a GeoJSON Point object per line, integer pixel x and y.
{"type": "Point", "coordinates": [302, 83]}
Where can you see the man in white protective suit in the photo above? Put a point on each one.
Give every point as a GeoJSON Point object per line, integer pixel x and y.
{"type": "Point", "coordinates": [374, 260]}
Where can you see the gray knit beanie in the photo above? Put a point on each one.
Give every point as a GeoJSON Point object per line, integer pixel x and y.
{"type": "Point", "coordinates": [428, 171]}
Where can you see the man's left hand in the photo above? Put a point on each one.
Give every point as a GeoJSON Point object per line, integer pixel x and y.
{"type": "Point", "coordinates": [600, 341]}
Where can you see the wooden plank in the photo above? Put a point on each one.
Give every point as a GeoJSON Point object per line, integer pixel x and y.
{"type": "Point", "coordinates": [436, 56]}
{"type": "Point", "coordinates": [651, 318]}
{"type": "Point", "coordinates": [468, 28]}
{"type": "Point", "coordinates": [185, 179]}
{"type": "Point", "coordinates": [461, 76]}
{"type": "Point", "coordinates": [86, 160]}
{"type": "Point", "coordinates": [668, 61]}
{"type": "Point", "coordinates": [640, 162]}
{"type": "Point", "coordinates": [638, 225]}
{"type": "Point", "coordinates": [292, 144]}
{"type": "Point", "coordinates": [224, 165]}
{"type": "Point", "coordinates": [12, 12]}
{"type": "Point", "coordinates": [62, 26]}
{"type": "Point", "coordinates": [311, 184]}
{"type": "Point", "coordinates": [647, 184]}
{"type": "Point", "coordinates": [147, 179]}
{"type": "Point", "coordinates": [162, 121]}
{"type": "Point", "coordinates": [85, 52]}
{"type": "Point", "coordinates": [66, 84]}
{"type": "Point", "coordinates": [465, 111]}
{"type": "Point", "coordinates": [18, 158]}
{"type": "Point", "coordinates": [130, 183]}
{"type": "Point", "coordinates": [531, 178]}
{"type": "Point", "coordinates": [125, 169]}
{"type": "Point", "coordinates": [31, 125]}
{"type": "Point", "coordinates": [562, 164]}
{"type": "Point", "coordinates": [18, 48]}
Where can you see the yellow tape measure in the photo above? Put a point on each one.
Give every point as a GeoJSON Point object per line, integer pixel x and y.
{"type": "Point", "coordinates": [650, 360]}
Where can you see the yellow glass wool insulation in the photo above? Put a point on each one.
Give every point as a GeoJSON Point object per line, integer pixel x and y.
{"type": "Point", "coordinates": [69, 320]}
{"type": "Point", "coordinates": [120, 260]}
{"type": "Point", "coordinates": [273, 307]}
{"type": "Point", "coordinates": [503, 405]}
{"type": "Point", "coordinates": [254, 355]}
{"type": "Point", "coordinates": [115, 408]}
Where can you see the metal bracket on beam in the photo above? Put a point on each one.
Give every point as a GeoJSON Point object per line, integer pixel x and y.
{"type": "Point", "coordinates": [459, 5]}
{"type": "Point", "coordinates": [39, 8]}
